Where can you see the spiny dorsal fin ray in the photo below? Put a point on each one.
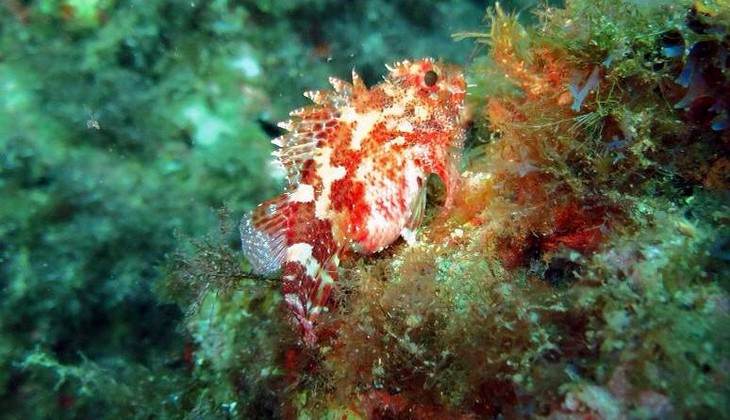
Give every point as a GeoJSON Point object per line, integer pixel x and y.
{"type": "Point", "coordinates": [319, 97]}
{"type": "Point", "coordinates": [340, 86]}
{"type": "Point", "coordinates": [358, 85]}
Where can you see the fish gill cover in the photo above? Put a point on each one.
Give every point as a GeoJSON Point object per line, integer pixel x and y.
{"type": "Point", "coordinates": [580, 270]}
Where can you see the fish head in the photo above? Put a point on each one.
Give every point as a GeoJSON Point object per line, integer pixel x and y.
{"type": "Point", "coordinates": [438, 87]}
{"type": "Point", "coordinates": [432, 95]}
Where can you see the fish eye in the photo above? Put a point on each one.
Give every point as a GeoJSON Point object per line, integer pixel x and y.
{"type": "Point", "coordinates": [430, 78]}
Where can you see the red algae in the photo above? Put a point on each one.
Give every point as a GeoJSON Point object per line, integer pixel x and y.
{"type": "Point", "coordinates": [578, 227]}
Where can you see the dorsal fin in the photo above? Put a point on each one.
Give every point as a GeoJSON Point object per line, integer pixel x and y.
{"type": "Point", "coordinates": [307, 127]}
{"type": "Point", "coordinates": [263, 235]}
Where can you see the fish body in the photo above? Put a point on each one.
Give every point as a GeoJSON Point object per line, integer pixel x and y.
{"type": "Point", "coordinates": [356, 162]}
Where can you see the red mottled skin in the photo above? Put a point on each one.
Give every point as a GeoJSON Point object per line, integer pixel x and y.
{"type": "Point", "coordinates": [357, 162]}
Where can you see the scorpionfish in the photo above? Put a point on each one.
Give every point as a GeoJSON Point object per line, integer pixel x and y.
{"type": "Point", "coordinates": [356, 161]}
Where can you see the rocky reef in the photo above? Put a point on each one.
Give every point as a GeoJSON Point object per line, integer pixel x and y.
{"type": "Point", "coordinates": [583, 271]}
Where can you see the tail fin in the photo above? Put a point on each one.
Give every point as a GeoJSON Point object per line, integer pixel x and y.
{"type": "Point", "coordinates": [263, 236]}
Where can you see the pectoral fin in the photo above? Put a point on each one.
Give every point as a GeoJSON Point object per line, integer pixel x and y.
{"type": "Point", "coordinates": [418, 209]}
